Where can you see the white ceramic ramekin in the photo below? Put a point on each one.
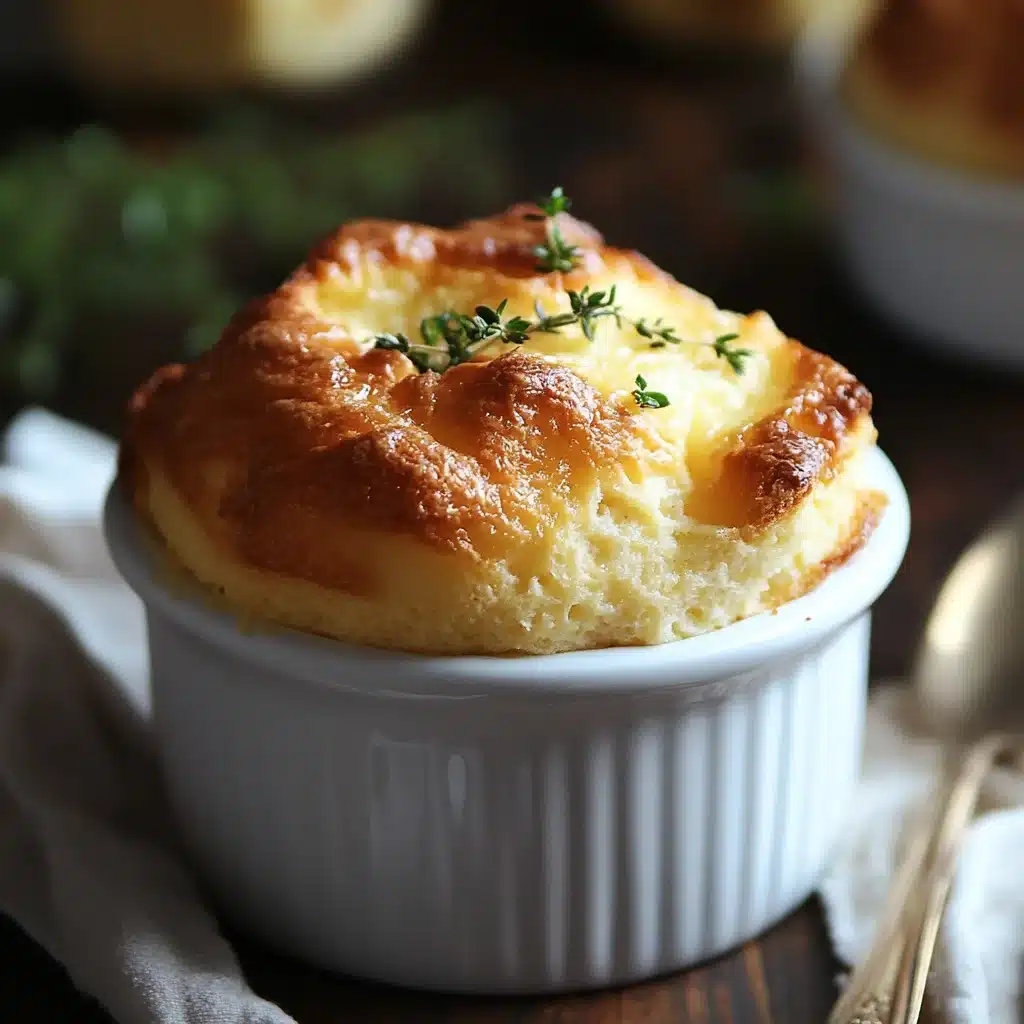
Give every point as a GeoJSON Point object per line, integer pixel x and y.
{"type": "Point", "coordinates": [513, 824]}
{"type": "Point", "coordinates": [938, 252]}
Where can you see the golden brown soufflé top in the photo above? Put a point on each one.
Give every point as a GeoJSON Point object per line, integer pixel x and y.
{"type": "Point", "coordinates": [944, 79]}
{"type": "Point", "coordinates": [524, 501]}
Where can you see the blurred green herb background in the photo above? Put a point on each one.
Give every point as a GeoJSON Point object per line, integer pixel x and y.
{"type": "Point", "coordinates": [117, 257]}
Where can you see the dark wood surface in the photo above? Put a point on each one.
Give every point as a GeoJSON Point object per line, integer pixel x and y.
{"type": "Point", "coordinates": [702, 165]}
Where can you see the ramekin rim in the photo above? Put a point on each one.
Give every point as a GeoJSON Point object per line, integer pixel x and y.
{"type": "Point", "coordinates": [817, 63]}
{"type": "Point", "coordinates": [733, 650]}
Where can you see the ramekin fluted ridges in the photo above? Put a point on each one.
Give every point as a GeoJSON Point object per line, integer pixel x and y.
{"type": "Point", "coordinates": [512, 824]}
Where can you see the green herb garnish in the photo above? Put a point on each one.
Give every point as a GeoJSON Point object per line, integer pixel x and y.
{"type": "Point", "coordinates": [451, 338]}
{"type": "Point", "coordinates": [648, 399]}
{"type": "Point", "coordinates": [661, 334]}
{"type": "Point", "coordinates": [555, 253]}
{"type": "Point", "coordinates": [722, 344]}
{"type": "Point", "coordinates": [733, 356]}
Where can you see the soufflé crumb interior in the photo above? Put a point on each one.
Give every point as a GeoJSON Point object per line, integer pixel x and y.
{"type": "Point", "coordinates": [531, 499]}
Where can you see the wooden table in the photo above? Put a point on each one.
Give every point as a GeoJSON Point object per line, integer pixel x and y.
{"type": "Point", "coordinates": [698, 164]}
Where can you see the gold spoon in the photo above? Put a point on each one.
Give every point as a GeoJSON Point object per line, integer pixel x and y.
{"type": "Point", "coordinates": [969, 680]}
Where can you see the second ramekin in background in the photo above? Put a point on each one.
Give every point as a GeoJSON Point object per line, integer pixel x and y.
{"type": "Point", "coordinates": [939, 252]}
{"type": "Point", "coordinates": [513, 825]}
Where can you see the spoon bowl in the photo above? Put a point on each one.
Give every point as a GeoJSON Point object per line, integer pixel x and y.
{"type": "Point", "coordinates": [968, 673]}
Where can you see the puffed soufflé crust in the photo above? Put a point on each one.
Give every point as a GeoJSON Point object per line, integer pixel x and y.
{"type": "Point", "coordinates": [944, 79]}
{"type": "Point", "coordinates": [519, 503]}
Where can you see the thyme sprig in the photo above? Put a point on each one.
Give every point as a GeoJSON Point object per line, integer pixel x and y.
{"type": "Point", "coordinates": [451, 338]}
{"type": "Point", "coordinates": [733, 356]}
{"type": "Point", "coordinates": [554, 253]}
{"type": "Point", "coordinates": [646, 398]}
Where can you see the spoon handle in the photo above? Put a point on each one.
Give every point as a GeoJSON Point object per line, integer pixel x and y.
{"type": "Point", "coordinates": [923, 930]}
{"type": "Point", "coordinates": [867, 996]}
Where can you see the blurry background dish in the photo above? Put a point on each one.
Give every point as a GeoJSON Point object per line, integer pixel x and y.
{"type": "Point", "coordinates": [943, 80]}
{"type": "Point", "coordinates": [932, 236]}
{"type": "Point", "coordinates": [192, 46]}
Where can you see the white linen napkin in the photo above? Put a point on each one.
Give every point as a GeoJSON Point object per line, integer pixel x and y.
{"type": "Point", "coordinates": [88, 864]}
{"type": "Point", "coordinates": [978, 973]}
{"type": "Point", "coordinates": [87, 859]}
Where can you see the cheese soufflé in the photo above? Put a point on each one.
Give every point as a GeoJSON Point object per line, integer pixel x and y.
{"type": "Point", "coordinates": [465, 442]}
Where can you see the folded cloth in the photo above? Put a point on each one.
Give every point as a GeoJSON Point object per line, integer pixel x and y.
{"type": "Point", "coordinates": [88, 860]}
{"type": "Point", "coordinates": [977, 971]}
{"type": "Point", "coordinates": [88, 864]}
